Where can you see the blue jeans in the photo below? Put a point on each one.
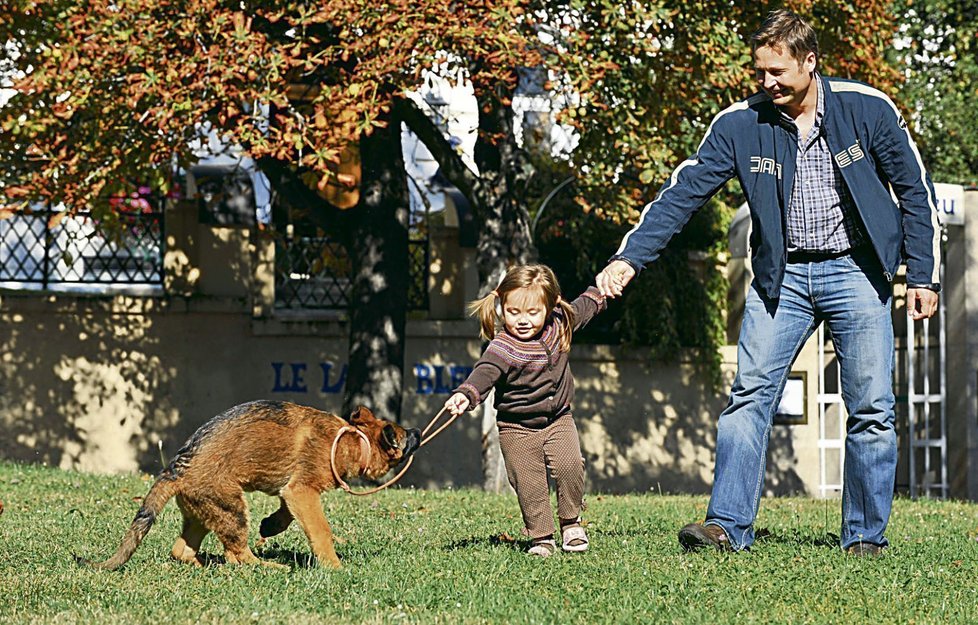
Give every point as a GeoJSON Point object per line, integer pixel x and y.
{"type": "Point", "coordinates": [852, 296]}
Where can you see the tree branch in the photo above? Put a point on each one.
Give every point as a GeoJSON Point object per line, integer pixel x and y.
{"type": "Point", "coordinates": [285, 180]}
{"type": "Point", "coordinates": [451, 164]}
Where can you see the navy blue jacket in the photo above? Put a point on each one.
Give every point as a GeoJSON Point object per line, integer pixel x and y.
{"type": "Point", "coordinates": [874, 152]}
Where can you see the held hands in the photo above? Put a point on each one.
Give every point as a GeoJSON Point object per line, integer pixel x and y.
{"type": "Point", "coordinates": [457, 404]}
{"type": "Point", "coordinates": [614, 278]}
{"type": "Point", "coordinates": [921, 303]}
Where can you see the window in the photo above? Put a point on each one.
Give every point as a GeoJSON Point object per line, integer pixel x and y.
{"type": "Point", "coordinates": [311, 271]}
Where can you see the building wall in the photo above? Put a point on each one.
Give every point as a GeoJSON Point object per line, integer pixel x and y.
{"type": "Point", "coordinates": [98, 384]}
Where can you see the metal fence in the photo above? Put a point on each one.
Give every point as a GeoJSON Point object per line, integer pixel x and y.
{"type": "Point", "coordinates": [312, 272]}
{"type": "Point", "coordinates": [40, 252]}
{"type": "Point", "coordinates": [75, 253]}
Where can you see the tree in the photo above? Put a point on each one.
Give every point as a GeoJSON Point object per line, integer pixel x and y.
{"type": "Point", "coordinates": [114, 92]}
{"type": "Point", "coordinates": [937, 51]}
{"type": "Point", "coordinates": [675, 65]}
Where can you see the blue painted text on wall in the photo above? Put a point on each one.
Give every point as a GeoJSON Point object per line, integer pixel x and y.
{"type": "Point", "coordinates": [439, 378]}
{"type": "Point", "coordinates": [292, 377]}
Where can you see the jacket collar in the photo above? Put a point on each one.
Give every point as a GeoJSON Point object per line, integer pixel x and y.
{"type": "Point", "coordinates": [769, 113]}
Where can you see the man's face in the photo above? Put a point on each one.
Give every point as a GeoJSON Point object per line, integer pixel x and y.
{"type": "Point", "coordinates": [782, 76]}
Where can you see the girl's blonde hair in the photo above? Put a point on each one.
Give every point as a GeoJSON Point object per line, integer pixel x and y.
{"type": "Point", "coordinates": [488, 309]}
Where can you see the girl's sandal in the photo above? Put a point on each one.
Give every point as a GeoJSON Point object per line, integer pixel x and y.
{"type": "Point", "coordinates": [574, 539]}
{"type": "Point", "coordinates": [543, 548]}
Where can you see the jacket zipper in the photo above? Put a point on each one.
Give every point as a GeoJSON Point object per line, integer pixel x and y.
{"type": "Point", "coordinates": [550, 360]}
{"type": "Point", "coordinates": [550, 368]}
{"type": "Point", "coordinates": [859, 212]}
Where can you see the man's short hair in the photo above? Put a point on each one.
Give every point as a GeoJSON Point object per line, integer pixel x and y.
{"type": "Point", "coordinates": [784, 28]}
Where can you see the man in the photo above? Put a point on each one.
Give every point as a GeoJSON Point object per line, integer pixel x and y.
{"type": "Point", "coordinates": [817, 159]}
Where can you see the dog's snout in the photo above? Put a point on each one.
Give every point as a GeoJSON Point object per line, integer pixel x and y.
{"type": "Point", "coordinates": [412, 440]}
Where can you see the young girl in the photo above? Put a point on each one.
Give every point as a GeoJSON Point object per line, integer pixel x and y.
{"type": "Point", "coordinates": [527, 363]}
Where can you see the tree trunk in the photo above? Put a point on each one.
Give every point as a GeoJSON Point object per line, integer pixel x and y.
{"type": "Point", "coordinates": [504, 238]}
{"type": "Point", "coordinates": [504, 222]}
{"type": "Point", "coordinates": [375, 236]}
{"type": "Point", "coordinates": [495, 192]}
{"type": "Point", "coordinates": [378, 249]}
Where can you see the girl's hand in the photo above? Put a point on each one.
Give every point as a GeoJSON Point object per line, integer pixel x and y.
{"type": "Point", "coordinates": [457, 404]}
{"type": "Point", "coordinates": [613, 278]}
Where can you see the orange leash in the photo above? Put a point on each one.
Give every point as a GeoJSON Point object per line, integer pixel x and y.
{"type": "Point", "coordinates": [365, 453]}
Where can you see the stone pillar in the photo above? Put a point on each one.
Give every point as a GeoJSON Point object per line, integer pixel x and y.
{"type": "Point", "coordinates": [263, 286]}
{"type": "Point", "coordinates": [181, 265]}
{"type": "Point", "coordinates": [961, 301]}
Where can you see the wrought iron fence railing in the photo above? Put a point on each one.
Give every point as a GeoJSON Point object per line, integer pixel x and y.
{"type": "Point", "coordinates": [75, 254]}
{"type": "Point", "coordinates": [313, 273]}
{"type": "Point", "coordinates": [420, 258]}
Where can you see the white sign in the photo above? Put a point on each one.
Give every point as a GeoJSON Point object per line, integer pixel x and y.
{"type": "Point", "coordinates": [791, 408]}
{"type": "Point", "coordinates": [950, 203]}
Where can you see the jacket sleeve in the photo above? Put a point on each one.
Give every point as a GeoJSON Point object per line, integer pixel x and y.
{"type": "Point", "coordinates": [688, 188]}
{"type": "Point", "coordinates": [587, 306]}
{"type": "Point", "coordinates": [897, 155]}
{"type": "Point", "coordinates": [486, 372]}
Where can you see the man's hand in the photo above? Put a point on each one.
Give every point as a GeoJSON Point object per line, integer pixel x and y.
{"type": "Point", "coordinates": [614, 277]}
{"type": "Point", "coordinates": [921, 303]}
{"type": "Point", "coordinates": [457, 404]}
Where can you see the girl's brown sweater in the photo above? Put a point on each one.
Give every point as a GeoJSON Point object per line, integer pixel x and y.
{"type": "Point", "coordinates": [533, 380]}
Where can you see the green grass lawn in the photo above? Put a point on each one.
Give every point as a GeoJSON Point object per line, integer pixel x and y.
{"type": "Point", "coordinates": [446, 557]}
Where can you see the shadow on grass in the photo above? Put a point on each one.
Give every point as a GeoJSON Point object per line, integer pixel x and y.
{"type": "Point", "coordinates": [289, 557]}
{"type": "Point", "coordinates": [669, 531]}
{"type": "Point", "coordinates": [306, 560]}
{"type": "Point", "coordinates": [494, 541]}
{"type": "Point", "coordinates": [797, 538]}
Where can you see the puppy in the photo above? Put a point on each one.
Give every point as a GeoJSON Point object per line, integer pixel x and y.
{"type": "Point", "coordinates": [279, 448]}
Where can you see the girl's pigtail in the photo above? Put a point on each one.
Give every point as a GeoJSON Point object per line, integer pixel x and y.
{"type": "Point", "coordinates": [566, 328]}
{"type": "Point", "coordinates": [484, 309]}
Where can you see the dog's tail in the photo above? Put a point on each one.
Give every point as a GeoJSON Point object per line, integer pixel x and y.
{"type": "Point", "coordinates": [162, 490]}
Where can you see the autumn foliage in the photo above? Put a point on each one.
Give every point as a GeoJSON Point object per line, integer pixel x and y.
{"type": "Point", "coordinates": [679, 62]}
{"type": "Point", "coordinates": [114, 95]}
{"type": "Point", "coordinates": [111, 94]}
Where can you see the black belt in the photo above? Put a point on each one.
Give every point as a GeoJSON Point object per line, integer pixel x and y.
{"type": "Point", "coordinates": [803, 256]}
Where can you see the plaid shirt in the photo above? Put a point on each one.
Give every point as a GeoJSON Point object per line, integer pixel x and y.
{"type": "Point", "coordinates": [821, 213]}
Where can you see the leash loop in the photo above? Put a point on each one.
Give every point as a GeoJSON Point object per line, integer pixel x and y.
{"type": "Point", "coordinates": [365, 453]}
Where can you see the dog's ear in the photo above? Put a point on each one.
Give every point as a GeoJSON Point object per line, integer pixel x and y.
{"type": "Point", "coordinates": [361, 415]}
{"type": "Point", "coordinates": [389, 437]}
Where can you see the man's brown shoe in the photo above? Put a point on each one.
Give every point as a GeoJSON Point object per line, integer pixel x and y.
{"type": "Point", "coordinates": [698, 536]}
{"type": "Point", "coordinates": [862, 550]}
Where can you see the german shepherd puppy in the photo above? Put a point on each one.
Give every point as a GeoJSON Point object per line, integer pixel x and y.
{"type": "Point", "coordinates": [279, 448]}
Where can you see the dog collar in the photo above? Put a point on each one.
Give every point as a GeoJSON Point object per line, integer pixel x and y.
{"type": "Point", "coordinates": [364, 446]}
